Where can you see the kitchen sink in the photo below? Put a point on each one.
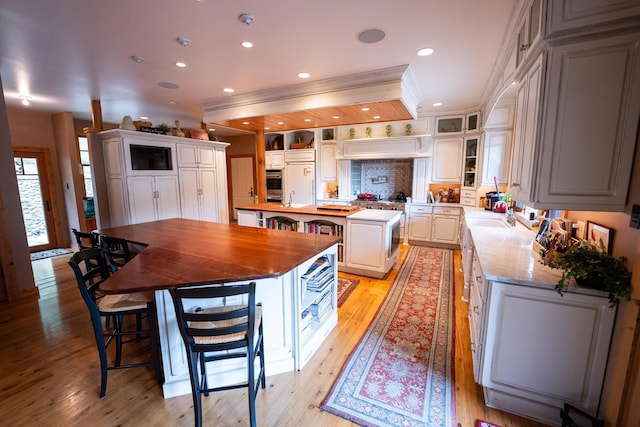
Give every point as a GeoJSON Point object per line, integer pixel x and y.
{"type": "Point", "coordinates": [296, 205]}
{"type": "Point", "coordinates": [496, 223]}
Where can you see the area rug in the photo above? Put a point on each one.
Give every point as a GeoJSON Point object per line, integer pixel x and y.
{"type": "Point", "coordinates": [50, 253]}
{"type": "Point", "coordinates": [401, 371]}
{"type": "Point", "coordinates": [345, 287]}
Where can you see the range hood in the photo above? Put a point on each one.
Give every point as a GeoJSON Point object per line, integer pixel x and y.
{"type": "Point", "coordinates": [400, 147]}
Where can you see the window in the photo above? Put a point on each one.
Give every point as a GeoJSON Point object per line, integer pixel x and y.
{"type": "Point", "coordinates": [83, 147]}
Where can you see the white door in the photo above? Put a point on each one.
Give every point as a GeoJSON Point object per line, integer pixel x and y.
{"type": "Point", "coordinates": [299, 179]}
{"type": "Point", "coordinates": [242, 183]}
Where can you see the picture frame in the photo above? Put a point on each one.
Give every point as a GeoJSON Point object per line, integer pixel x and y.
{"type": "Point", "coordinates": [599, 236]}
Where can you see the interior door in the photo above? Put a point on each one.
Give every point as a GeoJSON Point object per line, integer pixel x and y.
{"type": "Point", "coordinates": [242, 183]}
{"type": "Point", "coordinates": [36, 199]}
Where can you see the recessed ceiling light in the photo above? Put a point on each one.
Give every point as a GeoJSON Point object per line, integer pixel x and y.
{"type": "Point", "coordinates": [336, 117]}
{"type": "Point", "coordinates": [171, 101]}
{"type": "Point", "coordinates": [212, 129]}
{"type": "Point", "coordinates": [25, 102]}
{"type": "Point", "coordinates": [144, 118]}
{"type": "Point", "coordinates": [304, 75]}
{"type": "Point", "coordinates": [168, 85]}
{"type": "Point", "coordinates": [425, 52]}
{"type": "Point", "coordinates": [376, 117]}
{"type": "Point", "coordinates": [365, 109]}
{"type": "Point", "coordinates": [373, 35]}
{"type": "Point", "coordinates": [137, 59]}
{"type": "Point", "coordinates": [247, 44]}
{"type": "Point", "coordinates": [280, 123]}
{"type": "Point", "coordinates": [245, 123]}
{"type": "Point", "coordinates": [267, 128]}
{"type": "Point", "coordinates": [228, 90]}
{"type": "Point", "coordinates": [307, 120]}
{"type": "Point", "coordinates": [437, 104]}
{"type": "Point", "coordinates": [181, 64]}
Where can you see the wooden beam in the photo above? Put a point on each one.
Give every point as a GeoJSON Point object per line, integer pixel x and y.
{"type": "Point", "coordinates": [261, 170]}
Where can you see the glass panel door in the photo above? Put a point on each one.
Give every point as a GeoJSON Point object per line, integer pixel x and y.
{"type": "Point", "coordinates": [35, 200]}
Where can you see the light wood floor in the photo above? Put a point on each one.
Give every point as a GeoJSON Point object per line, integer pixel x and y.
{"type": "Point", "coordinates": [50, 374]}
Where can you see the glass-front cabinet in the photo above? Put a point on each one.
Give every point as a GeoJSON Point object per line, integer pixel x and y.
{"type": "Point", "coordinates": [471, 163]}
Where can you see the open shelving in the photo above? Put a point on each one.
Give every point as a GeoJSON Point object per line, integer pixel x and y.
{"type": "Point", "coordinates": [328, 228]}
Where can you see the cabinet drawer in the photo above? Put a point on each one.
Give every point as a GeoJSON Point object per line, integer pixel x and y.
{"type": "Point", "coordinates": [478, 280]}
{"type": "Point", "coordinates": [446, 210]}
{"type": "Point", "coordinates": [420, 209]}
{"type": "Point", "coordinates": [469, 194]}
{"type": "Point", "coordinates": [466, 201]}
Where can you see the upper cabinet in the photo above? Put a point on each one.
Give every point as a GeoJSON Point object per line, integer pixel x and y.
{"type": "Point", "coordinates": [529, 31]}
{"type": "Point", "coordinates": [450, 125]}
{"type": "Point", "coordinates": [472, 122]}
{"type": "Point", "coordinates": [495, 158]}
{"type": "Point", "coordinates": [568, 16]}
{"type": "Point", "coordinates": [447, 160]}
{"type": "Point", "coordinates": [471, 161]}
{"type": "Point", "coordinates": [576, 125]}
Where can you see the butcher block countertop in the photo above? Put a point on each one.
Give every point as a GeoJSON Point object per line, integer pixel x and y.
{"type": "Point", "coordinates": [183, 252]}
{"type": "Point", "coordinates": [326, 210]}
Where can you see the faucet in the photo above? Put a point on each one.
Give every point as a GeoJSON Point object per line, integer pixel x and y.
{"type": "Point", "coordinates": [511, 218]}
{"type": "Point", "coordinates": [288, 205]}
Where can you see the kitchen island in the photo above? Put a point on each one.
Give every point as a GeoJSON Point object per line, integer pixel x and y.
{"type": "Point", "coordinates": [369, 238]}
{"type": "Point", "coordinates": [180, 252]}
{"type": "Point", "coordinates": [532, 349]}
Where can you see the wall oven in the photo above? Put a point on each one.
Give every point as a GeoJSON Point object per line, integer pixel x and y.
{"type": "Point", "coordinates": [274, 186]}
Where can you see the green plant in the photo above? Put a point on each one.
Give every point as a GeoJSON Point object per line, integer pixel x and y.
{"type": "Point", "coordinates": [592, 268]}
{"type": "Point", "coordinates": [163, 127]}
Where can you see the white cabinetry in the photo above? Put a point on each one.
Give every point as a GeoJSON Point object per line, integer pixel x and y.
{"type": "Point", "coordinates": [576, 152]}
{"type": "Point", "coordinates": [421, 174]}
{"type": "Point", "coordinates": [445, 225]}
{"type": "Point", "coordinates": [274, 159]}
{"type": "Point", "coordinates": [447, 160]}
{"type": "Point", "coordinates": [527, 112]}
{"type": "Point", "coordinates": [191, 182]}
{"type": "Point", "coordinates": [419, 223]}
{"type": "Point", "coordinates": [541, 349]}
{"type": "Point", "coordinates": [471, 161]}
{"type": "Point", "coordinates": [495, 160]}
{"type": "Point", "coordinates": [153, 198]}
{"type": "Point", "coordinates": [198, 194]}
{"type": "Point", "coordinates": [344, 179]}
{"type": "Point", "coordinates": [328, 168]}
{"type": "Point", "coordinates": [299, 182]}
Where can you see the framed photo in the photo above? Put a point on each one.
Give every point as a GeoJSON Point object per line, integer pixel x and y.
{"type": "Point", "coordinates": [199, 134]}
{"type": "Point", "coordinates": [599, 236]}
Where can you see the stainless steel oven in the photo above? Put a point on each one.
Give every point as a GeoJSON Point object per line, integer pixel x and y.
{"type": "Point", "coordinates": [274, 186]}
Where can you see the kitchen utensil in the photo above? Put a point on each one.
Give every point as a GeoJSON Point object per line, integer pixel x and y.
{"type": "Point", "coordinates": [495, 181]}
{"type": "Point", "coordinates": [500, 207]}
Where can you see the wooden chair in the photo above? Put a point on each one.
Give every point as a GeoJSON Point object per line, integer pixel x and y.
{"type": "Point", "coordinates": [116, 251]}
{"type": "Point", "coordinates": [231, 326]}
{"type": "Point", "coordinates": [574, 417]}
{"type": "Point", "coordinates": [86, 240]}
{"type": "Point", "coordinates": [91, 270]}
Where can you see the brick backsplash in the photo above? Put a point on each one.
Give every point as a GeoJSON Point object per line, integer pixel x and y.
{"type": "Point", "coordinates": [385, 178]}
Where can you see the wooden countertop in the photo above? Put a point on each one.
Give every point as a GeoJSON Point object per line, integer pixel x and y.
{"type": "Point", "coordinates": [182, 252]}
{"type": "Point", "coordinates": [307, 210]}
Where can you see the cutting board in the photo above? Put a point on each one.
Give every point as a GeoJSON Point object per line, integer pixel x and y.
{"type": "Point", "coordinates": [337, 208]}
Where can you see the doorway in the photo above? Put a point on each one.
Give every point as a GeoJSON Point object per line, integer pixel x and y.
{"type": "Point", "coordinates": [242, 183]}
{"type": "Point", "coordinates": [34, 186]}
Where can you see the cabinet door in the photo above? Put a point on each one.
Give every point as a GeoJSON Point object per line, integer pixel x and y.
{"type": "Point", "coordinates": [445, 228]}
{"type": "Point", "coordinates": [206, 157]}
{"type": "Point", "coordinates": [274, 159]}
{"type": "Point", "coordinates": [471, 162]}
{"type": "Point", "coordinates": [189, 193]}
{"type": "Point", "coordinates": [328, 169]}
{"type": "Point", "coordinates": [447, 161]}
{"type": "Point", "coordinates": [168, 200]}
{"type": "Point", "coordinates": [495, 159]}
{"type": "Point", "coordinates": [545, 347]}
{"type": "Point", "coordinates": [208, 195]}
{"type": "Point", "coordinates": [142, 199]}
{"type": "Point", "coordinates": [528, 106]}
{"type": "Point", "coordinates": [344, 179]}
{"type": "Point", "coordinates": [420, 227]}
{"type": "Point", "coordinates": [590, 124]}
{"type": "Point", "coordinates": [366, 245]}
{"type": "Point", "coordinates": [187, 155]}
{"type": "Point", "coordinates": [421, 175]}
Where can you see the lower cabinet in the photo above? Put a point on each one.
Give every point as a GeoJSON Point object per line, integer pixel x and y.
{"type": "Point", "coordinates": [535, 350]}
{"type": "Point", "coordinates": [419, 218]}
{"type": "Point", "coordinates": [198, 195]}
{"type": "Point", "coordinates": [434, 224]}
{"type": "Point", "coordinates": [153, 198]}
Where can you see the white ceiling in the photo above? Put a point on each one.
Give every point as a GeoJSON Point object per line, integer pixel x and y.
{"type": "Point", "coordinates": [64, 53]}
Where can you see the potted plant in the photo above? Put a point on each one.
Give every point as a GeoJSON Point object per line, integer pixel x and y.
{"type": "Point", "coordinates": [591, 268]}
{"type": "Point", "coordinates": [164, 128]}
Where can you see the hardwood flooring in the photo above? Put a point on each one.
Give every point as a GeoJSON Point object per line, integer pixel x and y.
{"type": "Point", "coordinates": [50, 369]}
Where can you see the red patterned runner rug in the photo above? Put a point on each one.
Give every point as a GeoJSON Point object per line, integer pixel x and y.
{"type": "Point", "coordinates": [345, 287]}
{"type": "Point", "coordinates": [401, 371]}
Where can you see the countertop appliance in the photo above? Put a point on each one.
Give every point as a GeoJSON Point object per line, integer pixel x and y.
{"type": "Point", "coordinates": [492, 197]}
